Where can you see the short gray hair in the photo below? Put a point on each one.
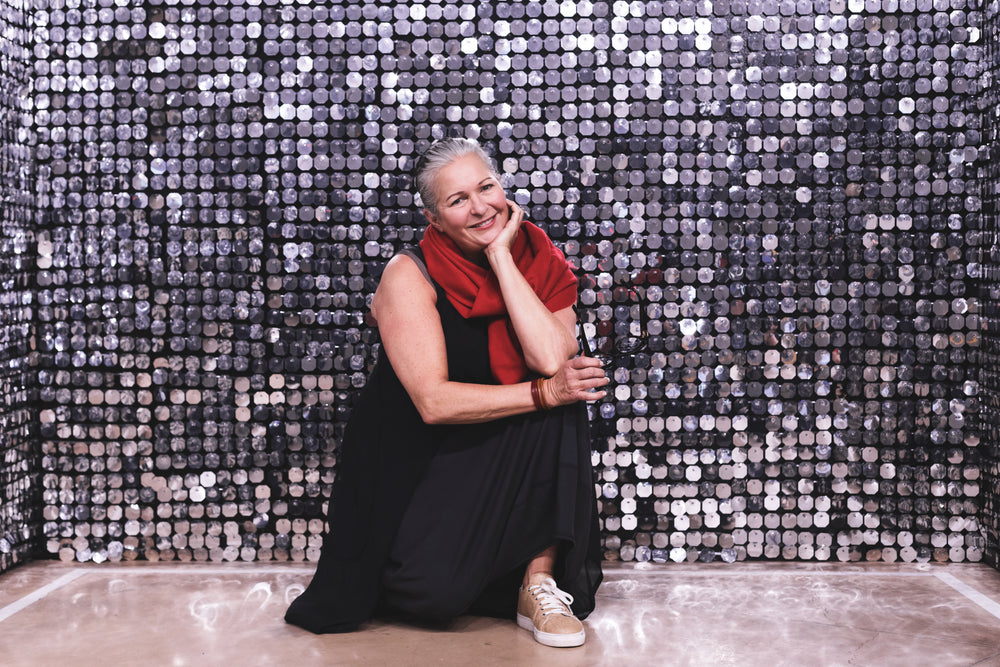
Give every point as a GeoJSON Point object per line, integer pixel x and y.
{"type": "Point", "coordinates": [440, 154]}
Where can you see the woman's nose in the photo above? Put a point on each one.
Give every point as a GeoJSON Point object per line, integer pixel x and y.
{"type": "Point", "coordinates": [478, 205]}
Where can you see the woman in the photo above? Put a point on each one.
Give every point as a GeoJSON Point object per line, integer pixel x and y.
{"type": "Point", "coordinates": [464, 482]}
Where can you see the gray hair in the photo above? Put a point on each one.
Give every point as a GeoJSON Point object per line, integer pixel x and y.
{"type": "Point", "coordinates": [440, 154]}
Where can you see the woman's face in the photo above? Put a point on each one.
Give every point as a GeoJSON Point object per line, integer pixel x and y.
{"type": "Point", "coordinates": [472, 207]}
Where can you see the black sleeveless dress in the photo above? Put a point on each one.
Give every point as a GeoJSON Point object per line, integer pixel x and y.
{"type": "Point", "coordinates": [435, 521]}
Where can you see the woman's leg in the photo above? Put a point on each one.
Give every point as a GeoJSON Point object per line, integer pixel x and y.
{"type": "Point", "coordinates": [543, 563]}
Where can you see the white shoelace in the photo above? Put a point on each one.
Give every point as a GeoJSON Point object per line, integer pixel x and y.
{"type": "Point", "coordinates": [551, 599]}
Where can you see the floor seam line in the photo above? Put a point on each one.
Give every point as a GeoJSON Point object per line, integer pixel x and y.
{"type": "Point", "coordinates": [891, 633]}
{"type": "Point", "coordinates": [981, 599]}
{"type": "Point", "coordinates": [666, 571]}
{"type": "Point", "coordinates": [296, 569]}
{"type": "Point", "coordinates": [35, 596]}
{"type": "Point", "coordinates": [198, 569]}
{"type": "Point", "coordinates": [982, 661]}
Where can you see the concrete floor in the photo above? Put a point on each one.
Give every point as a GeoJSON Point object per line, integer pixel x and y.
{"type": "Point", "coordinates": [740, 614]}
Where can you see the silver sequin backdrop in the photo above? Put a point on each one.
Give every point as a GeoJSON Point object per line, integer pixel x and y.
{"type": "Point", "coordinates": [792, 204]}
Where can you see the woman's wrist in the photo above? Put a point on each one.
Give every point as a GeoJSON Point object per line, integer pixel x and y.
{"type": "Point", "coordinates": [539, 397]}
{"type": "Point", "coordinates": [545, 390]}
{"type": "Point", "coordinates": [536, 394]}
{"type": "Point", "coordinates": [498, 253]}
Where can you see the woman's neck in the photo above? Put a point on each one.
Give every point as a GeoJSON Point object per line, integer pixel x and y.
{"type": "Point", "coordinates": [479, 259]}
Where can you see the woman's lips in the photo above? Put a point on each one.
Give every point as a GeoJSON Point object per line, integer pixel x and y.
{"type": "Point", "coordinates": [485, 224]}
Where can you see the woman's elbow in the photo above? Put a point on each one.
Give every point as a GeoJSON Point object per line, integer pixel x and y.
{"type": "Point", "coordinates": [549, 364]}
{"type": "Point", "coordinates": [431, 413]}
{"type": "Point", "coordinates": [547, 369]}
{"type": "Point", "coordinates": [432, 418]}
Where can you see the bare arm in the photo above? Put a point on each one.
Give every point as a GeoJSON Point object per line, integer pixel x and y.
{"type": "Point", "coordinates": [547, 339]}
{"type": "Point", "coordinates": [410, 328]}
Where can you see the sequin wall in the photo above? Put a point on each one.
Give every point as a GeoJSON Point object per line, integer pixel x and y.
{"type": "Point", "coordinates": [776, 200]}
{"type": "Point", "coordinates": [20, 526]}
{"type": "Point", "coordinates": [989, 363]}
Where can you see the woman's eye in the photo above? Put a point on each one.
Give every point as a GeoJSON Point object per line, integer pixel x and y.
{"type": "Point", "coordinates": [488, 186]}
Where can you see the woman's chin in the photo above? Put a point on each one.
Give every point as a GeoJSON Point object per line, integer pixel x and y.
{"type": "Point", "coordinates": [487, 238]}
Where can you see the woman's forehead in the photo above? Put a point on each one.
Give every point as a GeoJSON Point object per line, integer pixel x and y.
{"type": "Point", "coordinates": [470, 163]}
{"type": "Point", "coordinates": [464, 170]}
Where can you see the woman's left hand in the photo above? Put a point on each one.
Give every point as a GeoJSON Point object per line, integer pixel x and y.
{"type": "Point", "coordinates": [579, 379]}
{"type": "Point", "coordinates": [505, 239]}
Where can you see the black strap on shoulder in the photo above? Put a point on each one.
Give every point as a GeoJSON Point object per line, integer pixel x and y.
{"type": "Point", "coordinates": [417, 255]}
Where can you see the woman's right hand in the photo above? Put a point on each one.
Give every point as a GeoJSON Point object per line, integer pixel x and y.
{"type": "Point", "coordinates": [505, 239]}
{"type": "Point", "coordinates": [579, 379]}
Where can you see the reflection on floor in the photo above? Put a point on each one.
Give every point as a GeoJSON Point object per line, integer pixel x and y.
{"type": "Point", "coordinates": [739, 614]}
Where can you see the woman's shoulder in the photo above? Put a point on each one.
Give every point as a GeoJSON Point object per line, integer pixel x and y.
{"type": "Point", "coordinates": [405, 280]}
{"type": "Point", "coordinates": [407, 264]}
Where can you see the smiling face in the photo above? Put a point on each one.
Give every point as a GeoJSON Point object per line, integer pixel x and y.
{"type": "Point", "coordinates": [471, 205]}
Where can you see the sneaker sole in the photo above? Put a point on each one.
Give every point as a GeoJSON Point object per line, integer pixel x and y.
{"type": "Point", "coordinates": [550, 639]}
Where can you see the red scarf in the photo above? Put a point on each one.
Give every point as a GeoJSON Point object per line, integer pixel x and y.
{"type": "Point", "coordinates": [475, 292]}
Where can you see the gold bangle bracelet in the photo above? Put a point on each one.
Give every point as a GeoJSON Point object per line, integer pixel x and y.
{"type": "Point", "coordinates": [536, 394]}
{"type": "Point", "coordinates": [541, 395]}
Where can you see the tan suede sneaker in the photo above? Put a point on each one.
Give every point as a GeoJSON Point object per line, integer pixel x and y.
{"type": "Point", "coordinates": [544, 609]}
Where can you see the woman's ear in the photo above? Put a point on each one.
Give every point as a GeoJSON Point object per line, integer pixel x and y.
{"type": "Point", "coordinates": [432, 219]}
